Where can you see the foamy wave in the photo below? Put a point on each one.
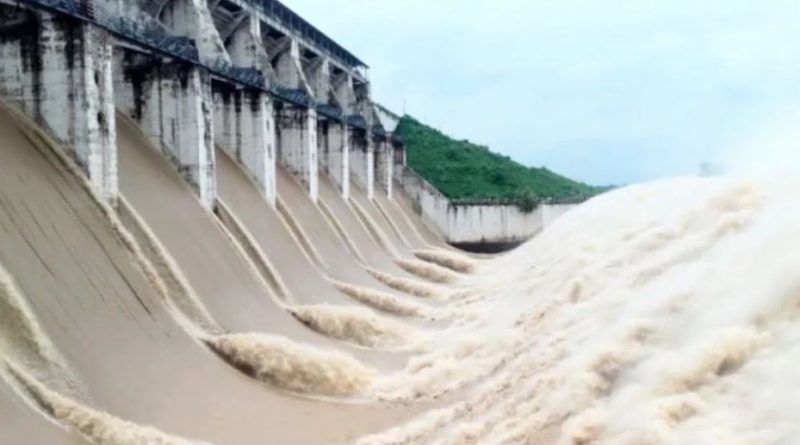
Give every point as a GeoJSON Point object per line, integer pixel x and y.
{"type": "Point", "coordinates": [23, 341]}
{"type": "Point", "coordinates": [411, 287]}
{"type": "Point", "coordinates": [355, 325]}
{"type": "Point", "coordinates": [292, 366]}
{"type": "Point", "coordinates": [428, 271]}
{"type": "Point", "coordinates": [385, 302]}
{"type": "Point", "coordinates": [671, 321]}
{"type": "Point", "coordinates": [99, 427]}
{"type": "Point", "coordinates": [450, 260]}
{"type": "Point", "coordinates": [442, 370]}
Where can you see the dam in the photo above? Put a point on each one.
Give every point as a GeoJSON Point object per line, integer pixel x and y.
{"type": "Point", "coordinates": [196, 185]}
{"type": "Point", "coordinates": [209, 234]}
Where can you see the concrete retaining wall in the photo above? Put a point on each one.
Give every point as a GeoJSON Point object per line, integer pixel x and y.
{"type": "Point", "coordinates": [497, 224]}
{"type": "Point", "coordinates": [484, 226]}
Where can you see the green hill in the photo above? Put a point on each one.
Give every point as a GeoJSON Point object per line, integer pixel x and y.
{"type": "Point", "coordinates": [464, 171]}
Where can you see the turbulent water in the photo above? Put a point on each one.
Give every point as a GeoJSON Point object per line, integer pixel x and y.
{"type": "Point", "coordinates": [663, 313]}
{"type": "Point", "coordinates": [659, 314]}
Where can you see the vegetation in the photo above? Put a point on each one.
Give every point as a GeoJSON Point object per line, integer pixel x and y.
{"type": "Point", "coordinates": [464, 171]}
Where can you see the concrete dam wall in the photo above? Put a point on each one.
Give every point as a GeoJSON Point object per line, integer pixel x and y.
{"type": "Point", "coordinates": [201, 235]}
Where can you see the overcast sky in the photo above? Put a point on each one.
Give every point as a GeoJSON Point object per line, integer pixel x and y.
{"type": "Point", "coordinates": [605, 91]}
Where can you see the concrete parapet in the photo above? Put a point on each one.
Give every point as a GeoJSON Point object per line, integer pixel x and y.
{"type": "Point", "coordinates": [172, 103]}
{"type": "Point", "coordinates": [58, 71]}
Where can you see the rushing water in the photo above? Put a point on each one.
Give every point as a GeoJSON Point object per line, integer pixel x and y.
{"type": "Point", "coordinates": [662, 313]}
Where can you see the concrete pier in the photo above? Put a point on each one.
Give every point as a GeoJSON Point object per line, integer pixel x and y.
{"type": "Point", "coordinates": [58, 70]}
{"type": "Point", "coordinates": [391, 155]}
{"type": "Point", "coordinates": [362, 163]}
{"type": "Point", "coordinates": [340, 137]}
{"type": "Point", "coordinates": [245, 128]}
{"type": "Point", "coordinates": [297, 136]}
{"type": "Point", "coordinates": [171, 102]}
{"type": "Point", "coordinates": [384, 166]}
{"type": "Point", "coordinates": [246, 117]}
{"type": "Point", "coordinates": [338, 156]}
{"type": "Point", "coordinates": [296, 125]}
{"type": "Point", "coordinates": [170, 99]}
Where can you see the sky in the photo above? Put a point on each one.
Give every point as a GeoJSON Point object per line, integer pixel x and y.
{"type": "Point", "coordinates": [604, 91]}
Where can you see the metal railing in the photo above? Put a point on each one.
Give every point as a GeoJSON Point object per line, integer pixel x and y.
{"type": "Point", "coordinates": [246, 76]}
{"type": "Point", "coordinates": [357, 121]}
{"type": "Point", "coordinates": [292, 21]}
{"type": "Point", "coordinates": [292, 95]}
{"type": "Point", "coordinates": [152, 37]}
{"type": "Point", "coordinates": [155, 38]}
{"type": "Point", "coordinates": [330, 111]}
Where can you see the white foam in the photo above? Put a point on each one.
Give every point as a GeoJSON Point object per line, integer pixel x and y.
{"type": "Point", "coordinates": [664, 313]}
{"type": "Point", "coordinates": [386, 302]}
{"type": "Point", "coordinates": [293, 366]}
{"type": "Point", "coordinates": [355, 325]}
{"type": "Point", "coordinates": [97, 426]}
{"type": "Point", "coordinates": [429, 271]}
{"type": "Point", "coordinates": [450, 260]}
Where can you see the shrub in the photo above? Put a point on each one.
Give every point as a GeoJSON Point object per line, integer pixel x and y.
{"type": "Point", "coordinates": [462, 170]}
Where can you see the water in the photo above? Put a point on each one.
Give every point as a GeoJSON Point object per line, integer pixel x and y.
{"type": "Point", "coordinates": [659, 314]}
{"type": "Point", "coordinates": [136, 354]}
{"type": "Point", "coordinates": [663, 313]}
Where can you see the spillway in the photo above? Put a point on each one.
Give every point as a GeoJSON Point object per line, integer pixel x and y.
{"type": "Point", "coordinates": [298, 276]}
{"type": "Point", "coordinates": [155, 289]}
{"type": "Point", "coordinates": [373, 253]}
{"type": "Point", "coordinates": [216, 269]}
{"type": "Point", "coordinates": [119, 335]}
{"type": "Point", "coordinates": [332, 247]}
{"type": "Point", "coordinates": [372, 216]}
{"type": "Point", "coordinates": [657, 325]}
{"type": "Point", "coordinates": [399, 222]}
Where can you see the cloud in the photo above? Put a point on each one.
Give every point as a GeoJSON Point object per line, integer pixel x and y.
{"type": "Point", "coordinates": [656, 86]}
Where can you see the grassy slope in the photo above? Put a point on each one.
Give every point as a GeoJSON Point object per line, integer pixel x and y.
{"type": "Point", "coordinates": [462, 170]}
